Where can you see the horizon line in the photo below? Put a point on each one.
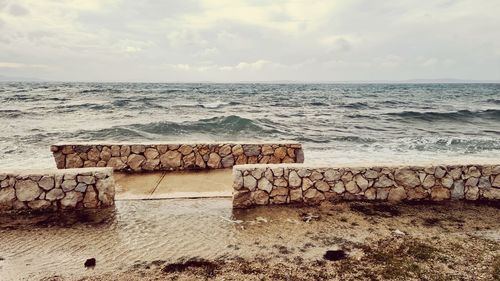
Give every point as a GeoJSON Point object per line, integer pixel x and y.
{"type": "Point", "coordinates": [406, 81]}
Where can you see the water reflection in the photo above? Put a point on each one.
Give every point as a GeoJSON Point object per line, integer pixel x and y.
{"type": "Point", "coordinates": [63, 219]}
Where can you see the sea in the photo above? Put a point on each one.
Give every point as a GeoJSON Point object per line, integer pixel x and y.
{"type": "Point", "coordinates": [351, 124]}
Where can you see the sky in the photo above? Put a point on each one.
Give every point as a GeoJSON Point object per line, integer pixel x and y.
{"type": "Point", "coordinates": [240, 40]}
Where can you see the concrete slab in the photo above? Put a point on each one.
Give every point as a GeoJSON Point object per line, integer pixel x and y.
{"type": "Point", "coordinates": [190, 184]}
{"type": "Point", "coordinates": [185, 184]}
{"type": "Point", "coordinates": [136, 186]}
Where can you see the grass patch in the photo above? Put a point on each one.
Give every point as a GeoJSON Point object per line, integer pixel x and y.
{"type": "Point", "coordinates": [421, 251]}
{"type": "Point", "coordinates": [198, 266]}
{"type": "Point", "coordinates": [431, 222]}
{"type": "Point", "coordinates": [282, 249]}
{"type": "Point", "coordinates": [401, 260]}
{"type": "Point", "coordinates": [381, 210]}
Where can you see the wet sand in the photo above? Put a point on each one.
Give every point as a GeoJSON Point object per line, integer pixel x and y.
{"type": "Point", "coordinates": [188, 239]}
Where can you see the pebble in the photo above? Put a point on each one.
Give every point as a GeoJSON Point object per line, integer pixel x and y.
{"type": "Point", "coordinates": [335, 255]}
{"type": "Point", "coordinates": [90, 263]}
{"type": "Point", "coordinates": [260, 219]}
{"type": "Point", "coordinates": [398, 232]}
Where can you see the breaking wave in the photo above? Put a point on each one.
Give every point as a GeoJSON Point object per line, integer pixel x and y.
{"type": "Point", "coordinates": [217, 126]}
{"type": "Point", "coordinates": [460, 115]}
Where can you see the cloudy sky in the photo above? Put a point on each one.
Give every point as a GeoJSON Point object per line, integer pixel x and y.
{"type": "Point", "coordinates": [238, 40]}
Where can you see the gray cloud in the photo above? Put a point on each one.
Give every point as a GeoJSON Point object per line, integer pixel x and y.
{"type": "Point", "coordinates": [18, 10]}
{"type": "Point", "coordinates": [240, 40]}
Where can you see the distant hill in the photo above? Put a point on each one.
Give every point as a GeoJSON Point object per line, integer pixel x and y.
{"type": "Point", "coordinates": [447, 80]}
{"type": "Point", "coordinates": [409, 81]}
{"type": "Point", "coordinates": [19, 79]}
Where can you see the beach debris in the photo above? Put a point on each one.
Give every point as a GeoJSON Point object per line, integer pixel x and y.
{"type": "Point", "coordinates": [398, 232]}
{"type": "Point", "coordinates": [282, 249]}
{"type": "Point", "coordinates": [335, 255]}
{"type": "Point", "coordinates": [90, 263]}
{"type": "Point", "coordinates": [294, 221]}
{"type": "Point", "coordinates": [431, 221]}
{"type": "Point", "coordinates": [307, 217]}
{"type": "Point", "coordinates": [381, 210]}
{"type": "Point", "coordinates": [260, 219]}
{"type": "Point", "coordinates": [231, 221]}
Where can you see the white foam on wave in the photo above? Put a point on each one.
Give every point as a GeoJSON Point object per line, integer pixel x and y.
{"type": "Point", "coordinates": [216, 104]}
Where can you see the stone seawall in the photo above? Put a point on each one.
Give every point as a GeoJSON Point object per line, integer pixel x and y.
{"type": "Point", "coordinates": [52, 190]}
{"type": "Point", "coordinates": [285, 184]}
{"type": "Point", "coordinates": [157, 157]}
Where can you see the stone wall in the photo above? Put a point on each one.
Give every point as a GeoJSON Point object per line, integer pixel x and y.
{"type": "Point", "coordinates": [154, 157]}
{"type": "Point", "coordinates": [284, 184]}
{"type": "Point", "coordinates": [51, 190]}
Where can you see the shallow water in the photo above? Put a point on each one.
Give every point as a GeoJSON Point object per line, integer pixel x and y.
{"type": "Point", "coordinates": [337, 123]}
{"type": "Point", "coordinates": [139, 233]}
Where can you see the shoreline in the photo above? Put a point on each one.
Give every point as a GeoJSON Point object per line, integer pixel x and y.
{"type": "Point", "coordinates": [205, 238]}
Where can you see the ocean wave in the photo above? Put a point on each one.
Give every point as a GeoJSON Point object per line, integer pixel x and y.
{"type": "Point", "coordinates": [356, 105]}
{"type": "Point", "coordinates": [90, 91]}
{"type": "Point", "coordinates": [55, 99]}
{"type": "Point", "coordinates": [311, 139]}
{"type": "Point", "coordinates": [495, 101]}
{"type": "Point", "coordinates": [82, 106]}
{"type": "Point", "coordinates": [339, 139]}
{"type": "Point", "coordinates": [285, 104]}
{"type": "Point", "coordinates": [452, 144]}
{"type": "Point", "coordinates": [492, 132]}
{"type": "Point", "coordinates": [141, 103]}
{"type": "Point", "coordinates": [365, 116]}
{"type": "Point", "coordinates": [11, 113]}
{"type": "Point", "coordinates": [356, 139]}
{"type": "Point", "coordinates": [120, 102]}
{"type": "Point", "coordinates": [117, 133]}
{"type": "Point", "coordinates": [464, 115]}
{"type": "Point", "coordinates": [318, 104]}
{"type": "Point", "coordinates": [25, 97]}
{"type": "Point", "coordinates": [146, 99]}
{"type": "Point", "coordinates": [210, 105]}
{"type": "Point", "coordinates": [214, 105]}
{"type": "Point", "coordinates": [220, 104]}
{"type": "Point", "coordinates": [391, 102]}
{"type": "Point", "coordinates": [223, 125]}
{"type": "Point", "coordinates": [366, 119]}
{"type": "Point", "coordinates": [169, 91]}
{"type": "Point", "coordinates": [101, 90]}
